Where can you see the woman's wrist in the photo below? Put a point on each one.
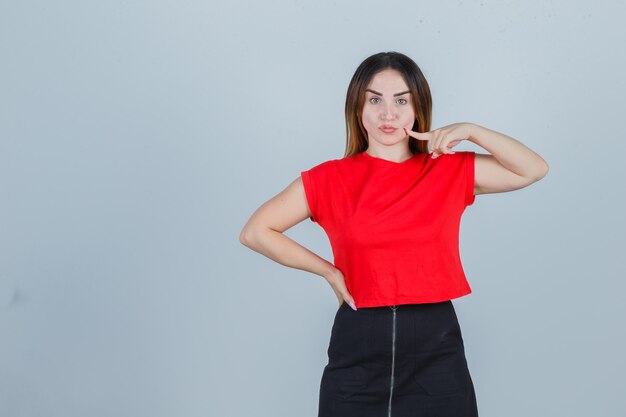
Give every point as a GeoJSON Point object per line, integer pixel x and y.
{"type": "Point", "coordinates": [330, 272]}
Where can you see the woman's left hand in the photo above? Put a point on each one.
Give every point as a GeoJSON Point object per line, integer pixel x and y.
{"type": "Point", "coordinates": [442, 140]}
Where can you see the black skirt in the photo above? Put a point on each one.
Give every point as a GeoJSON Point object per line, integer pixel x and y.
{"type": "Point", "coordinates": [397, 361]}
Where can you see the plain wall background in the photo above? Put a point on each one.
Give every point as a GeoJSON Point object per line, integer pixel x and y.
{"type": "Point", "coordinates": [136, 139]}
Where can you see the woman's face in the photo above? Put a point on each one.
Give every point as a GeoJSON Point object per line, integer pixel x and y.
{"type": "Point", "coordinates": [387, 103]}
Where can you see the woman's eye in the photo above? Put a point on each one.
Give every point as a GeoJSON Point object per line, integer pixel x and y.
{"type": "Point", "coordinates": [403, 100]}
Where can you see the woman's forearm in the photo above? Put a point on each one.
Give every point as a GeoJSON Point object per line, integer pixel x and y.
{"type": "Point", "coordinates": [512, 154]}
{"type": "Point", "coordinates": [280, 248]}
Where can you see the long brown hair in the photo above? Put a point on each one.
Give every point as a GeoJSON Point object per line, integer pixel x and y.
{"type": "Point", "coordinates": [356, 135]}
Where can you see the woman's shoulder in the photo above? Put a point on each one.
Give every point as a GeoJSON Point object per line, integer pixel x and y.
{"type": "Point", "coordinates": [456, 158]}
{"type": "Point", "coordinates": [331, 165]}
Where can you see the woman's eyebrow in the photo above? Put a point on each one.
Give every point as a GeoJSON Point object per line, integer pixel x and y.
{"type": "Point", "coordinates": [376, 92]}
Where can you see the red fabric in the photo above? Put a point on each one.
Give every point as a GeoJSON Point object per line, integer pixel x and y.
{"type": "Point", "coordinates": [394, 227]}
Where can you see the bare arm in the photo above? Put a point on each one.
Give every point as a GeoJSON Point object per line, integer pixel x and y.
{"type": "Point", "coordinates": [511, 165]}
{"type": "Point", "coordinates": [263, 233]}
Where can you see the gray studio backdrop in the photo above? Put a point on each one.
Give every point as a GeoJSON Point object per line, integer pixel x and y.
{"type": "Point", "coordinates": [136, 139]}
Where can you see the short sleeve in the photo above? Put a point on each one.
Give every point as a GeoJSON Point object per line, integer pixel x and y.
{"type": "Point", "coordinates": [469, 177]}
{"type": "Point", "coordinates": [309, 189]}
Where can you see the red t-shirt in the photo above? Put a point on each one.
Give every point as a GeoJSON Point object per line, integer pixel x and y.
{"type": "Point", "coordinates": [394, 227]}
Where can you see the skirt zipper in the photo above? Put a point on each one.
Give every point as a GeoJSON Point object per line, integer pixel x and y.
{"type": "Point", "coordinates": [393, 358]}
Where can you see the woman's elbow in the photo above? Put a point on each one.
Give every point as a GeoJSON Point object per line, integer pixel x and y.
{"type": "Point", "coordinates": [245, 236]}
{"type": "Point", "coordinates": [249, 233]}
{"type": "Point", "coordinates": [542, 172]}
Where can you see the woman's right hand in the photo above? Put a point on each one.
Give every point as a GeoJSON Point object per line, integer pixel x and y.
{"type": "Point", "coordinates": [338, 284]}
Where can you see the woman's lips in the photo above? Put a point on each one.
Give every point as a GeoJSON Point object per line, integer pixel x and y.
{"type": "Point", "coordinates": [388, 129]}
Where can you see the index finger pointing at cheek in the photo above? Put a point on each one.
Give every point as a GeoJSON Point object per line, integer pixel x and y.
{"type": "Point", "coordinates": [418, 135]}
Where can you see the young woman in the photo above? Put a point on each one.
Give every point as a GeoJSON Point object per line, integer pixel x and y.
{"type": "Point", "coordinates": [391, 209]}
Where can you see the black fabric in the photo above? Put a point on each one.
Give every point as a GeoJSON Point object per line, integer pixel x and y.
{"type": "Point", "coordinates": [431, 377]}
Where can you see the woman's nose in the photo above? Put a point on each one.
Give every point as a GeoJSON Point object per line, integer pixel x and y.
{"type": "Point", "coordinates": [388, 112]}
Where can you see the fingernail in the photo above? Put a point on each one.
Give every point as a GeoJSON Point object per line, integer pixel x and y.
{"type": "Point", "coordinates": [405, 132]}
{"type": "Point", "coordinates": [352, 305]}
